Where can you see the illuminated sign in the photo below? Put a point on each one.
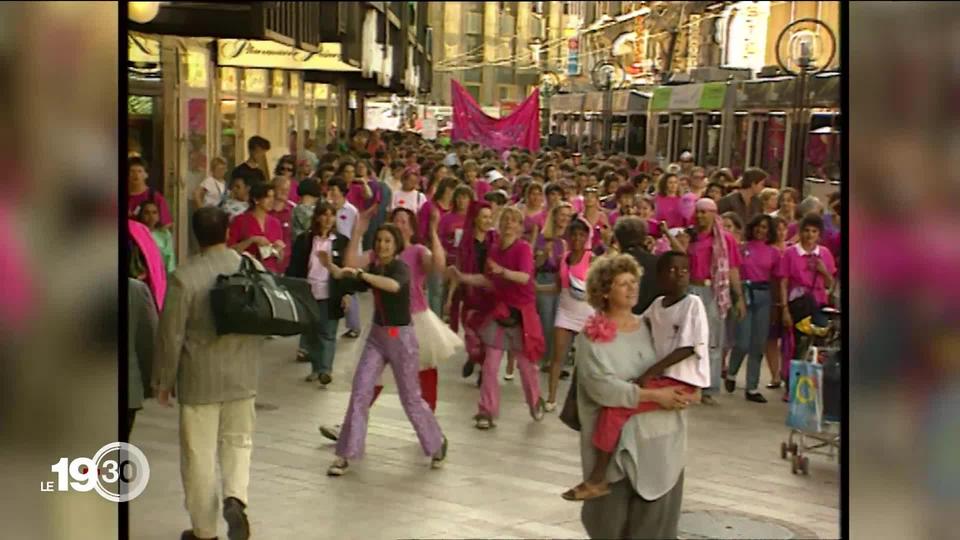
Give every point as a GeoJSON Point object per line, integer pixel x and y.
{"type": "Point", "coordinates": [270, 54]}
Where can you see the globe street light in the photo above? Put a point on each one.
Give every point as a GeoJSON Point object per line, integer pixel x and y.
{"type": "Point", "coordinates": [802, 52]}
{"type": "Point", "coordinates": [142, 12]}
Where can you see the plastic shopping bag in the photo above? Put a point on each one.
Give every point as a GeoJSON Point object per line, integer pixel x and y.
{"type": "Point", "coordinates": [806, 396]}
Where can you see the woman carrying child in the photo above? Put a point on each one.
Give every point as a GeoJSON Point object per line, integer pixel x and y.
{"type": "Point", "coordinates": [614, 350]}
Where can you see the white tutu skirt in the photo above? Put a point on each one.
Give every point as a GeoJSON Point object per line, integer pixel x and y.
{"type": "Point", "coordinates": [436, 340]}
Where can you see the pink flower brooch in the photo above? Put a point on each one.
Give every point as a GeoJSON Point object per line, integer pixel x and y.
{"type": "Point", "coordinates": [600, 329]}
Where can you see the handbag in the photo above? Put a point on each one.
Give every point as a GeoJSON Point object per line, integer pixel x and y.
{"type": "Point", "coordinates": [570, 415]}
{"type": "Point", "coordinates": [256, 302]}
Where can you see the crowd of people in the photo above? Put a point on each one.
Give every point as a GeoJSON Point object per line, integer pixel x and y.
{"type": "Point", "coordinates": [551, 259]}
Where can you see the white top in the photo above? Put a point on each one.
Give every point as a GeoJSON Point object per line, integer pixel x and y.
{"type": "Point", "coordinates": [652, 450]}
{"type": "Point", "coordinates": [213, 191]}
{"type": "Point", "coordinates": [411, 200]}
{"type": "Point", "coordinates": [346, 218]}
{"type": "Point", "coordinates": [683, 324]}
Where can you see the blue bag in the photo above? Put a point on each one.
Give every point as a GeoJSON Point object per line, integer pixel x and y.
{"type": "Point", "coordinates": [806, 395]}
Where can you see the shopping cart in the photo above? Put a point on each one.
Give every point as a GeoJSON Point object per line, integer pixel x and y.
{"type": "Point", "coordinates": [815, 421]}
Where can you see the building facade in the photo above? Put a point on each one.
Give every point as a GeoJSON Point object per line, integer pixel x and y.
{"type": "Point", "coordinates": [486, 47]}
{"type": "Point", "coordinates": [204, 77]}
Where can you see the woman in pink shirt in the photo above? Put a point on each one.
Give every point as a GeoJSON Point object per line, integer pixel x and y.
{"type": "Point", "coordinates": [361, 192]}
{"type": "Point", "coordinates": [776, 325]}
{"type": "Point", "coordinates": [668, 203]}
{"type": "Point", "coordinates": [512, 325]}
{"type": "Point", "coordinates": [441, 201]}
{"type": "Point", "coordinates": [595, 216]}
{"type": "Point", "coordinates": [808, 272]}
{"type": "Point", "coordinates": [534, 211]}
{"type": "Point", "coordinates": [283, 211]}
{"type": "Point", "coordinates": [257, 232]}
{"type": "Point", "coordinates": [451, 225]}
{"type": "Point", "coordinates": [572, 307]}
{"type": "Point", "coordinates": [760, 271]}
{"type": "Point", "coordinates": [715, 278]}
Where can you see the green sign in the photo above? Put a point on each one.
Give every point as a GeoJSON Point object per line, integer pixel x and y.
{"type": "Point", "coordinates": [661, 98]}
{"type": "Point", "coordinates": [713, 94]}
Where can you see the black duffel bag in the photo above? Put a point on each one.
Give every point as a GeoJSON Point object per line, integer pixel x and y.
{"type": "Point", "coordinates": [256, 302]}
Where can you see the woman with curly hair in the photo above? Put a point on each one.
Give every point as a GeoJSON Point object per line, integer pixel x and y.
{"type": "Point", "coordinates": [645, 473]}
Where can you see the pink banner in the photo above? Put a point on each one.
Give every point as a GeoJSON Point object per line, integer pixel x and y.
{"type": "Point", "coordinates": [471, 124]}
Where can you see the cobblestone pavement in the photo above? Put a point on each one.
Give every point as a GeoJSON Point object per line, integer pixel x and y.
{"type": "Point", "coordinates": [504, 483]}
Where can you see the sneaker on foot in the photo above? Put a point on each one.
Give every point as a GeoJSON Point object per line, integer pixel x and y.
{"type": "Point", "coordinates": [537, 410]}
{"type": "Point", "coordinates": [708, 400]}
{"type": "Point", "coordinates": [234, 512]}
{"type": "Point", "coordinates": [508, 377]}
{"type": "Point", "coordinates": [729, 385]}
{"type": "Point", "coordinates": [441, 455]}
{"type": "Point", "coordinates": [756, 397]}
{"type": "Point", "coordinates": [468, 368]}
{"type": "Point", "coordinates": [550, 406]}
{"type": "Point", "coordinates": [325, 379]}
{"type": "Point", "coordinates": [330, 432]}
{"type": "Point", "coordinates": [483, 421]}
{"type": "Point", "coordinates": [312, 377]}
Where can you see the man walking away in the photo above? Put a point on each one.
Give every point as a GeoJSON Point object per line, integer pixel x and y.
{"type": "Point", "coordinates": [216, 378]}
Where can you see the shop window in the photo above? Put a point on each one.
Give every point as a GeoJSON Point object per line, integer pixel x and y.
{"type": "Point", "coordinates": [663, 132]}
{"type": "Point", "coordinates": [196, 143]}
{"type": "Point", "coordinates": [712, 150]}
{"type": "Point", "coordinates": [685, 142]}
{"type": "Point", "coordinates": [738, 152]}
{"type": "Point", "coordinates": [774, 138]}
{"type": "Point", "coordinates": [474, 90]}
{"type": "Point", "coordinates": [228, 132]}
{"type": "Point", "coordinates": [637, 135]}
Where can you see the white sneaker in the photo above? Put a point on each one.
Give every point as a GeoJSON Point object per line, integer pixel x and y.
{"type": "Point", "coordinates": [550, 406]}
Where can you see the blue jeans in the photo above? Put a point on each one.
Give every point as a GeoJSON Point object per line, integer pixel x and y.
{"type": "Point", "coordinates": [715, 324]}
{"type": "Point", "coordinates": [321, 344]}
{"type": "Point", "coordinates": [547, 308]}
{"type": "Point", "coordinates": [353, 315]}
{"type": "Point", "coordinates": [751, 337]}
{"type": "Point", "coordinates": [435, 293]}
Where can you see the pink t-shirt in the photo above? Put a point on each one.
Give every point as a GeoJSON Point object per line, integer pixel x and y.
{"type": "Point", "coordinates": [413, 257]}
{"type": "Point", "coordinates": [669, 209]}
{"type": "Point", "coordinates": [760, 263]}
{"type": "Point", "coordinates": [701, 255]}
{"type": "Point", "coordinates": [133, 201]}
{"type": "Point", "coordinates": [577, 204]}
{"type": "Point", "coordinates": [285, 217]}
{"type": "Point", "coordinates": [519, 258]}
{"type": "Point", "coordinates": [423, 219]}
{"type": "Point", "coordinates": [799, 269]}
{"type": "Point", "coordinates": [317, 274]}
{"type": "Point", "coordinates": [294, 195]}
{"type": "Point", "coordinates": [245, 226]}
{"type": "Point", "coordinates": [578, 270]}
{"type": "Point", "coordinates": [355, 194]}
{"type": "Point", "coordinates": [451, 234]}
{"type": "Point", "coordinates": [481, 188]}
{"type": "Point", "coordinates": [537, 220]}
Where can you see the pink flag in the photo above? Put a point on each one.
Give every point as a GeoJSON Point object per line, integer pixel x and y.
{"type": "Point", "coordinates": [471, 124]}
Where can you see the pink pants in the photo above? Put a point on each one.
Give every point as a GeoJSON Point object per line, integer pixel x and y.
{"type": "Point", "coordinates": [490, 387]}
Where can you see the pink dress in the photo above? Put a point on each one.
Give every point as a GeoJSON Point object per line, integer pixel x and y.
{"type": "Point", "coordinates": [246, 226]}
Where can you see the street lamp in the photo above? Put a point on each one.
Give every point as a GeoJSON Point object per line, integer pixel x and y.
{"type": "Point", "coordinates": [805, 56]}
{"type": "Point", "coordinates": [603, 80]}
{"type": "Point", "coordinates": [142, 12]}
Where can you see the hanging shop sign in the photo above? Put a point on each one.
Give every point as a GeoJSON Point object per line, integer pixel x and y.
{"type": "Point", "coordinates": [252, 53]}
{"type": "Point", "coordinates": [690, 97]}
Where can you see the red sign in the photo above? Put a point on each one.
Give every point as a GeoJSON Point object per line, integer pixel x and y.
{"type": "Point", "coordinates": [573, 44]}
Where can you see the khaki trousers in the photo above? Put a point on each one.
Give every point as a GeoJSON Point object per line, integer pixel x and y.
{"type": "Point", "coordinates": [210, 434]}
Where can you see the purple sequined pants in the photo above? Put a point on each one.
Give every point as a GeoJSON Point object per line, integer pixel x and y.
{"type": "Point", "coordinates": [398, 347]}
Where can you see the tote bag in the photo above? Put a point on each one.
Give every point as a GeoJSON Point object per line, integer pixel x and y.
{"type": "Point", "coordinates": [806, 395]}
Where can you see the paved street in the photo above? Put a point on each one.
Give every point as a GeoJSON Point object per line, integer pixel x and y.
{"type": "Point", "coordinates": [505, 483]}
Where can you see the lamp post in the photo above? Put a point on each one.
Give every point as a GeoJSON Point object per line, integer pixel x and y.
{"type": "Point", "coordinates": [602, 78]}
{"type": "Point", "coordinates": [806, 56]}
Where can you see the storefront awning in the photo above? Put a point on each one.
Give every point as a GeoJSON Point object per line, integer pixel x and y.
{"type": "Point", "coordinates": [270, 54]}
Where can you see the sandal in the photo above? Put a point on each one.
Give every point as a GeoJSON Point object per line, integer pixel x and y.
{"type": "Point", "coordinates": [339, 467]}
{"type": "Point", "coordinates": [537, 410]}
{"type": "Point", "coordinates": [550, 406]}
{"type": "Point", "coordinates": [584, 492]}
{"type": "Point", "coordinates": [483, 422]}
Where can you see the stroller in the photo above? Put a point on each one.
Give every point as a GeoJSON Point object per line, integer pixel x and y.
{"type": "Point", "coordinates": [815, 398]}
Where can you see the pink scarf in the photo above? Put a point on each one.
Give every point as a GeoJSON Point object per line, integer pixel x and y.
{"type": "Point", "coordinates": [720, 261]}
